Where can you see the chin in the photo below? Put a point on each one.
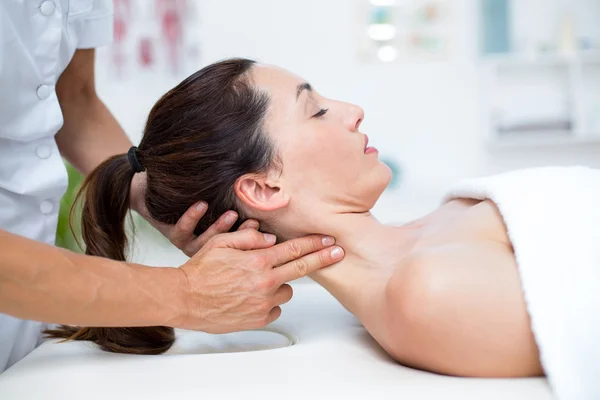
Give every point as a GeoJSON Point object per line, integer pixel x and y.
{"type": "Point", "coordinates": [379, 181]}
{"type": "Point", "coordinates": [385, 176]}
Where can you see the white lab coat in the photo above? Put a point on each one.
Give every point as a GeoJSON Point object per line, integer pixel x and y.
{"type": "Point", "coordinates": [37, 40]}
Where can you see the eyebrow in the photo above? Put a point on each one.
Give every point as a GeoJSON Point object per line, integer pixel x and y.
{"type": "Point", "coordinates": [301, 87]}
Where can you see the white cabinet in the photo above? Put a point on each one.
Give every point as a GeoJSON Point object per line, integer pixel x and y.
{"type": "Point", "coordinates": [541, 101]}
{"type": "Point", "coordinates": [540, 72]}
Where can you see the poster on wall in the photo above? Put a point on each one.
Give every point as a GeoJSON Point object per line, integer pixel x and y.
{"type": "Point", "coordinates": [157, 37]}
{"type": "Point", "coordinates": [405, 30]}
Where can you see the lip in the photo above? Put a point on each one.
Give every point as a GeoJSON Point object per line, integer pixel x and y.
{"type": "Point", "coordinates": [369, 150]}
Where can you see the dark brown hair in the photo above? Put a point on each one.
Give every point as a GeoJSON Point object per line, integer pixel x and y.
{"type": "Point", "coordinates": [199, 138]}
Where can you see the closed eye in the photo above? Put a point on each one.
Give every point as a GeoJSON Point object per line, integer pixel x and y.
{"type": "Point", "coordinates": [321, 112]}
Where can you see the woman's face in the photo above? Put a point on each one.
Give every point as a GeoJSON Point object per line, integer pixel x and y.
{"type": "Point", "coordinates": [323, 154]}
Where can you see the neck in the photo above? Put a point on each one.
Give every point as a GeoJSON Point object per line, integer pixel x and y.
{"type": "Point", "coordinates": [372, 252]}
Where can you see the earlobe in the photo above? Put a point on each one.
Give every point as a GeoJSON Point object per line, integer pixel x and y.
{"type": "Point", "coordinates": [255, 192]}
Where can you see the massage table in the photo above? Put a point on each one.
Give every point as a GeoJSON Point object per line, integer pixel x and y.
{"type": "Point", "coordinates": [316, 349]}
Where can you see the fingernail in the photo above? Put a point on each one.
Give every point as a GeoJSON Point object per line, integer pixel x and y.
{"type": "Point", "coordinates": [269, 238]}
{"type": "Point", "coordinates": [230, 218]}
{"type": "Point", "coordinates": [328, 241]}
{"type": "Point", "coordinates": [337, 252]}
{"type": "Point", "coordinates": [201, 206]}
{"type": "Point", "coordinates": [253, 225]}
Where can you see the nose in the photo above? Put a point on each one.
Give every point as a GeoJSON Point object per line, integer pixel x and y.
{"type": "Point", "coordinates": [354, 117]}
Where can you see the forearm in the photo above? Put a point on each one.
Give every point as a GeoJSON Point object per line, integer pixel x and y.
{"type": "Point", "coordinates": [44, 283]}
{"type": "Point", "coordinates": [90, 133]}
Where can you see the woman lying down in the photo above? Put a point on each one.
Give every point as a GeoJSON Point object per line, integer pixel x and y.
{"type": "Point", "coordinates": [444, 293]}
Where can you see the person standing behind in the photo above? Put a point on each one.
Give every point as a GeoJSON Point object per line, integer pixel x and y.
{"type": "Point", "coordinates": [49, 110]}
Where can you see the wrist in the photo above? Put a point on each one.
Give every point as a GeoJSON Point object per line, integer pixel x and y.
{"type": "Point", "coordinates": [181, 309]}
{"type": "Point", "coordinates": [169, 289]}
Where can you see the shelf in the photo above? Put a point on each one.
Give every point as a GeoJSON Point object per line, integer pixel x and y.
{"type": "Point", "coordinates": [543, 139]}
{"type": "Point", "coordinates": [542, 81]}
{"type": "Point", "coordinates": [515, 60]}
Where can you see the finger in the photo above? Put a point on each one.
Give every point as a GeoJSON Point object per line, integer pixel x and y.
{"type": "Point", "coordinates": [249, 224]}
{"type": "Point", "coordinates": [247, 239]}
{"type": "Point", "coordinates": [308, 264]}
{"type": "Point", "coordinates": [296, 248]}
{"type": "Point", "coordinates": [222, 225]}
{"type": "Point", "coordinates": [184, 229]}
{"type": "Point", "coordinates": [273, 315]}
{"type": "Point", "coordinates": [282, 295]}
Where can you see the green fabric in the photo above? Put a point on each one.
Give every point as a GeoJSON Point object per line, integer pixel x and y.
{"type": "Point", "coordinates": [64, 235]}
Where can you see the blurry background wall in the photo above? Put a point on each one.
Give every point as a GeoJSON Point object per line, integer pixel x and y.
{"type": "Point", "coordinates": [426, 115]}
{"type": "Point", "coordinates": [432, 117]}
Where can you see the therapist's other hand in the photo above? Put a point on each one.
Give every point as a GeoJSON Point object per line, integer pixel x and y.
{"type": "Point", "coordinates": [182, 233]}
{"type": "Point", "coordinates": [237, 280]}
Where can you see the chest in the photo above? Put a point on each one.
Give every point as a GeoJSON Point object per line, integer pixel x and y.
{"type": "Point", "coordinates": [463, 221]}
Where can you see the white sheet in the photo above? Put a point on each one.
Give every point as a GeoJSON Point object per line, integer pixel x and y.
{"type": "Point", "coordinates": [553, 219]}
{"type": "Point", "coordinates": [333, 357]}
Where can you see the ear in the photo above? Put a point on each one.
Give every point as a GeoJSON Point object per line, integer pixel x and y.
{"type": "Point", "coordinates": [259, 193]}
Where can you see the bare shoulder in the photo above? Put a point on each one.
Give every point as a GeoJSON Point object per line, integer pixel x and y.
{"type": "Point", "coordinates": [457, 308]}
{"type": "Point", "coordinates": [460, 241]}
{"type": "Point", "coordinates": [490, 221]}
{"type": "Point", "coordinates": [463, 222]}
{"type": "Point", "coordinates": [444, 265]}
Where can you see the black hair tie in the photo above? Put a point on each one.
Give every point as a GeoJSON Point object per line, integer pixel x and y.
{"type": "Point", "coordinates": [135, 163]}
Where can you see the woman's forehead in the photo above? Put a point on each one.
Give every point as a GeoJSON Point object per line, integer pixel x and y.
{"type": "Point", "coordinates": [275, 79]}
{"type": "Point", "coordinates": [282, 87]}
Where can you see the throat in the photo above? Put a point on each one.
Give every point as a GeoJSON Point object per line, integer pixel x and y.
{"type": "Point", "coordinates": [372, 253]}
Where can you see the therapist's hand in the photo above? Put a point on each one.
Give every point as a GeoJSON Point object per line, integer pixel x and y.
{"type": "Point", "coordinates": [237, 280]}
{"type": "Point", "coordinates": [182, 233]}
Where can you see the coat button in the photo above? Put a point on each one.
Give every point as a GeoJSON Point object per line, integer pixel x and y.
{"type": "Point", "coordinates": [47, 8]}
{"type": "Point", "coordinates": [43, 91]}
{"type": "Point", "coordinates": [44, 151]}
{"type": "Point", "coordinates": [46, 207]}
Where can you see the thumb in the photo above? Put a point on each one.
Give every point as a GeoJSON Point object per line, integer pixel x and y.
{"type": "Point", "coordinates": [247, 239]}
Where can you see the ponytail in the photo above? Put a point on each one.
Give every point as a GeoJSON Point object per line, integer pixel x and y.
{"type": "Point", "coordinates": [105, 206]}
{"type": "Point", "coordinates": [105, 194]}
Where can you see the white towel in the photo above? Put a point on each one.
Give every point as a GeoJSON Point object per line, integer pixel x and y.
{"type": "Point", "coordinates": [552, 216]}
